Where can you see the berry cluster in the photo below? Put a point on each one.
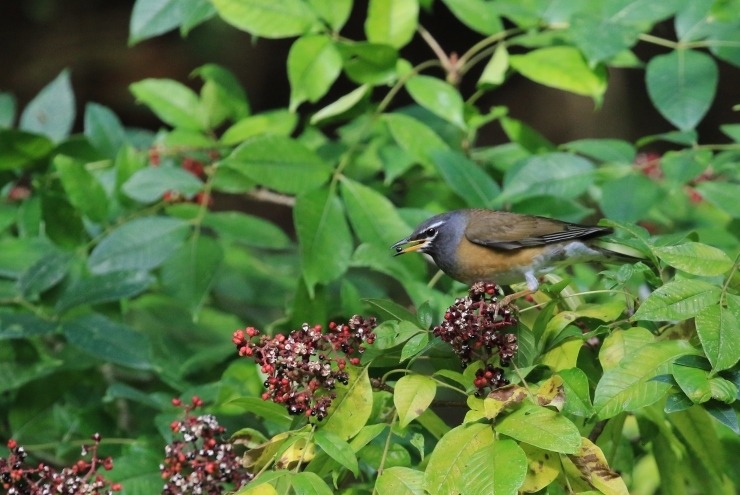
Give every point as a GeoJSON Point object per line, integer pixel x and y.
{"type": "Point", "coordinates": [475, 328]}
{"type": "Point", "coordinates": [195, 167]}
{"type": "Point", "coordinates": [200, 462]}
{"type": "Point", "coordinates": [304, 367]}
{"type": "Point", "coordinates": [17, 478]}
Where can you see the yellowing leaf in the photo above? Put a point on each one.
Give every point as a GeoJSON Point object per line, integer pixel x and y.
{"type": "Point", "coordinates": [542, 468]}
{"type": "Point", "coordinates": [591, 462]}
{"type": "Point", "coordinates": [621, 343]}
{"type": "Point", "coordinates": [412, 396]}
{"type": "Point", "coordinates": [501, 398]}
{"type": "Point", "coordinates": [551, 393]}
{"type": "Point", "coordinates": [563, 356]}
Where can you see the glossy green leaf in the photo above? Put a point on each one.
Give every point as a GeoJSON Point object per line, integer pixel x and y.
{"type": "Point", "coordinates": [84, 191]}
{"type": "Point", "coordinates": [695, 258]}
{"type": "Point", "coordinates": [264, 409]}
{"type": "Point", "coordinates": [351, 409]}
{"type": "Point", "coordinates": [267, 19]}
{"type": "Point", "coordinates": [23, 326]}
{"type": "Point", "coordinates": [20, 149]}
{"type": "Point", "coordinates": [555, 174]}
{"type": "Point", "coordinates": [309, 484]}
{"type": "Point", "coordinates": [682, 166]}
{"type": "Point", "coordinates": [104, 288]}
{"type": "Point", "coordinates": [391, 22]}
{"type": "Point", "coordinates": [44, 274]}
{"type": "Point", "coordinates": [412, 395]}
{"type": "Point", "coordinates": [108, 340]}
{"type": "Point", "coordinates": [605, 150]}
{"type": "Point", "coordinates": [719, 332]}
{"type": "Point", "coordinates": [140, 244]}
{"type": "Point", "coordinates": [600, 38]}
{"type": "Point", "coordinates": [629, 198]}
{"type": "Point", "coordinates": [369, 63]}
{"type": "Point", "coordinates": [8, 108]}
{"type": "Point", "coordinates": [52, 112]}
{"type": "Point", "coordinates": [374, 218]}
{"type": "Point", "coordinates": [148, 185]}
{"type": "Point", "coordinates": [104, 130]}
{"type": "Point", "coordinates": [414, 345]}
{"type": "Point", "coordinates": [391, 333]}
{"type": "Point", "coordinates": [334, 12]}
{"type": "Point", "coordinates": [189, 272]}
{"type": "Point", "coordinates": [279, 122]}
{"type": "Point", "coordinates": [323, 235]}
{"type": "Point", "coordinates": [153, 17]}
{"type": "Point", "coordinates": [437, 96]}
{"type": "Point", "coordinates": [577, 395]}
{"type": "Point", "coordinates": [541, 427]}
{"type": "Point", "coordinates": [444, 471]}
{"type": "Point", "coordinates": [389, 309]}
{"type": "Point", "coordinates": [400, 481]}
{"type": "Point", "coordinates": [498, 468]}
{"type": "Point", "coordinates": [195, 12]}
{"type": "Point", "coordinates": [280, 163]}
{"type": "Point", "coordinates": [173, 102]}
{"type": "Point", "coordinates": [338, 449]}
{"type": "Point", "coordinates": [678, 300]}
{"type": "Point", "coordinates": [525, 136]}
{"type": "Point", "coordinates": [694, 383]}
{"type": "Point", "coordinates": [494, 72]}
{"type": "Point", "coordinates": [723, 195]}
{"type": "Point", "coordinates": [482, 17]}
{"type": "Point", "coordinates": [629, 386]}
{"type": "Point", "coordinates": [466, 178]}
{"type": "Point", "coordinates": [682, 85]}
{"type": "Point", "coordinates": [343, 104]}
{"type": "Point", "coordinates": [247, 229]}
{"type": "Point", "coordinates": [562, 67]}
{"type": "Point", "coordinates": [222, 96]}
{"type": "Point", "coordinates": [622, 343]}
{"type": "Point", "coordinates": [314, 64]}
{"type": "Point", "coordinates": [414, 137]}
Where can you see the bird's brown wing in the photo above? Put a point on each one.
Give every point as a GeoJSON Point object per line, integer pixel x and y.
{"type": "Point", "coordinates": [502, 230]}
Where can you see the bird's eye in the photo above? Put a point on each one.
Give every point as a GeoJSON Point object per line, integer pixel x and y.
{"type": "Point", "coordinates": [431, 232]}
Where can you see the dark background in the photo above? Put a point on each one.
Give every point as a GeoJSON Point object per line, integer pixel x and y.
{"type": "Point", "coordinates": [38, 38]}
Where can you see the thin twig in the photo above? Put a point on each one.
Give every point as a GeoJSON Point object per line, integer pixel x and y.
{"type": "Point", "coordinates": [267, 196]}
{"type": "Point", "coordinates": [597, 430]}
{"type": "Point", "coordinates": [437, 49]}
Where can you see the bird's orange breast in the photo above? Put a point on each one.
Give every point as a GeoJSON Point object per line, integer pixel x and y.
{"type": "Point", "coordinates": [475, 262]}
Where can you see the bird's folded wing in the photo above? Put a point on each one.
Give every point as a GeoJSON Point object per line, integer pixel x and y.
{"type": "Point", "coordinates": [513, 231]}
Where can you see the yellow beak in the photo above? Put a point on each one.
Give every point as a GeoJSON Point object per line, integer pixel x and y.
{"type": "Point", "coordinates": [414, 246]}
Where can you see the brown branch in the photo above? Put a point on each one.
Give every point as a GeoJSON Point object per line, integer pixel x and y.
{"type": "Point", "coordinates": [267, 196]}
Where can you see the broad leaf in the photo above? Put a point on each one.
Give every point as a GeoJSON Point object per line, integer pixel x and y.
{"type": "Point", "coordinates": [314, 64]}
{"type": "Point", "coordinates": [343, 104]}
{"type": "Point", "coordinates": [171, 101]}
{"type": "Point", "coordinates": [414, 137]}
{"type": "Point", "coordinates": [412, 395]}
{"type": "Point", "coordinates": [279, 122]}
{"type": "Point", "coordinates": [188, 274]}
{"type": "Point", "coordinates": [109, 341]}
{"type": "Point", "coordinates": [334, 12]}
{"type": "Point", "coordinates": [723, 195]}
{"type": "Point", "coordinates": [555, 174]}
{"type": "Point", "coordinates": [498, 468]}
{"type": "Point", "coordinates": [605, 150]}
{"type": "Point", "coordinates": [141, 244]}
{"type": "Point", "coordinates": [309, 484]}
{"type": "Point", "coordinates": [678, 300]}
{"type": "Point", "coordinates": [541, 427]}
{"type": "Point", "coordinates": [591, 462]}
{"type": "Point", "coordinates": [351, 409]}
{"type": "Point", "coordinates": [266, 18]}
{"type": "Point", "coordinates": [400, 481]}
{"type": "Point", "coordinates": [52, 112]}
{"type": "Point", "coordinates": [577, 394]}
{"type": "Point", "coordinates": [247, 229]}
{"type": "Point", "coordinates": [150, 184]}
{"type": "Point", "coordinates": [437, 96]}
{"type": "Point", "coordinates": [338, 449]}
{"type": "Point", "coordinates": [629, 198]}
{"type": "Point", "coordinates": [222, 96]}
{"type": "Point", "coordinates": [104, 288]}
{"type": "Point", "coordinates": [543, 468]}
{"type": "Point", "coordinates": [23, 326]}
{"type": "Point", "coordinates": [600, 38]}
{"type": "Point", "coordinates": [44, 274]}
{"type": "Point", "coordinates": [695, 258]}
{"type": "Point", "coordinates": [84, 191]}
{"type": "Point", "coordinates": [443, 474]}
{"type": "Point", "coordinates": [391, 22]}
{"type": "Point", "coordinates": [719, 332]}
{"type": "Point", "coordinates": [482, 17]}
{"type": "Point", "coordinates": [153, 17]}
{"type": "Point", "coordinates": [622, 343]}
{"type": "Point", "coordinates": [466, 178]}
{"type": "Point", "coordinates": [494, 72]}
{"type": "Point", "coordinates": [682, 85]}
{"type": "Point", "coordinates": [104, 130]}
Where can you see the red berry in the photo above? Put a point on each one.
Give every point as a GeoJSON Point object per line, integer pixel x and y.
{"type": "Point", "coordinates": [176, 402]}
{"type": "Point", "coordinates": [12, 444]}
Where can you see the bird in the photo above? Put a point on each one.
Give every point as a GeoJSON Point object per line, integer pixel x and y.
{"type": "Point", "coordinates": [475, 244]}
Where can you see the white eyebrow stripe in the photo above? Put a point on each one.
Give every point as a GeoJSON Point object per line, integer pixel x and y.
{"type": "Point", "coordinates": [434, 225]}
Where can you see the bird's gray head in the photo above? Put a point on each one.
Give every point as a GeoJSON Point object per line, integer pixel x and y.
{"type": "Point", "coordinates": [433, 236]}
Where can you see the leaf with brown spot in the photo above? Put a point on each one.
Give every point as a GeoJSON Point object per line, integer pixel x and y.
{"type": "Point", "coordinates": [501, 398]}
{"type": "Point", "coordinates": [551, 393]}
{"type": "Point", "coordinates": [542, 468]}
{"type": "Point", "coordinates": [592, 464]}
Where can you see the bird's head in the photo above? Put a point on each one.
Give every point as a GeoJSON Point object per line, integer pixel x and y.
{"type": "Point", "coordinates": [431, 236]}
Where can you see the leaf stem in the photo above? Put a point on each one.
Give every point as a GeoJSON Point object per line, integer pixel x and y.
{"type": "Point", "coordinates": [387, 446]}
{"type": "Point", "coordinates": [305, 448]}
{"type": "Point", "coordinates": [484, 43]}
{"type": "Point", "coordinates": [729, 278]}
{"type": "Point", "coordinates": [436, 48]}
{"type": "Point", "coordinates": [649, 38]}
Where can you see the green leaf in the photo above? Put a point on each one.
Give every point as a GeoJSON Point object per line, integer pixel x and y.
{"type": "Point", "coordinates": [279, 122]}
{"type": "Point", "coordinates": [52, 111]}
{"type": "Point", "coordinates": [678, 300]}
{"type": "Point", "coordinates": [437, 96]}
{"type": "Point", "coordinates": [109, 341]}
{"type": "Point", "coordinates": [338, 449]}
{"type": "Point", "coordinates": [141, 244]}
{"type": "Point", "coordinates": [677, 402]}
{"type": "Point", "coordinates": [694, 383]}
{"type": "Point", "coordinates": [577, 395]}
{"type": "Point", "coordinates": [222, 95]}
{"type": "Point", "coordinates": [414, 137]}
{"type": "Point", "coordinates": [190, 272]}
{"type": "Point", "coordinates": [629, 198]}
{"type": "Point", "coordinates": [18, 254]}
{"type": "Point", "coordinates": [600, 38]}
{"type": "Point", "coordinates": [323, 235]}
{"type": "Point", "coordinates": [265, 409]}
{"type": "Point", "coordinates": [374, 218]}
{"type": "Point", "coordinates": [44, 274]}
{"type": "Point", "coordinates": [334, 12]}
{"type": "Point", "coordinates": [21, 149]}
{"type": "Point", "coordinates": [369, 63]}
{"type": "Point", "coordinates": [542, 428]}
{"type": "Point", "coordinates": [414, 345]}
{"type": "Point", "coordinates": [104, 288]}
{"type": "Point", "coordinates": [482, 17]}
{"type": "Point", "coordinates": [494, 73]}
{"type": "Point", "coordinates": [498, 468]}
{"type": "Point", "coordinates": [528, 138]}
{"type": "Point", "coordinates": [84, 191]}
{"type": "Point", "coordinates": [695, 258]}
{"type": "Point", "coordinates": [23, 326]}
{"type": "Point", "coordinates": [247, 229]}
{"type": "Point", "coordinates": [343, 104]}
{"type": "Point", "coordinates": [466, 178]}
{"type": "Point", "coordinates": [412, 395]}
{"type": "Point", "coordinates": [153, 17]}
{"type": "Point", "coordinates": [622, 343]}
{"type": "Point", "coordinates": [314, 64]}
{"type": "Point", "coordinates": [443, 474]}
{"type": "Point", "coordinates": [280, 163]}
{"type": "Point", "coordinates": [562, 67]}
{"type": "Point", "coordinates": [392, 310]}
{"type": "Point", "coordinates": [148, 185]}
{"type": "Point", "coordinates": [391, 22]}
{"type": "Point", "coordinates": [309, 484]}
{"type": "Point", "coordinates": [171, 101]}
{"type": "Point", "coordinates": [104, 130]}
{"type": "Point", "coordinates": [266, 18]}
{"type": "Point", "coordinates": [682, 85]}
{"type": "Point", "coordinates": [351, 409]}
{"type": "Point", "coordinates": [604, 150]}
{"type": "Point", "coordinates": [195, 12]}
{"type": "Point", "coordinates": [682, 166]}
{"type": "Point", "coordinates": [629, 386]}
{"type": "Point", "coordinates": [555, 174]}
{"type": "Point", "coordinates": [7, 110]}
{"type": "Point", "coordinates": [723, 195]}
{"type": "Point", "coordinates": [400, 481]}
{"type": "Point", "coordinates": [719, 332]}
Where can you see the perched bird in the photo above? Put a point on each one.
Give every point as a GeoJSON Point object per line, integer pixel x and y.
{"type": "Point", "coordinates": [474, 245]}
